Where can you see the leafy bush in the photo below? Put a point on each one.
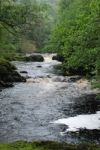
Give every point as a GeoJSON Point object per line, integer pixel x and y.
{"type": "Point", "coordinates": [77, 36]}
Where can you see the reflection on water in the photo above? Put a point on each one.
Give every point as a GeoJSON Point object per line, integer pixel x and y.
{"type": "Point", "coordinates": [27, 109]}
{"type": "Point", "coordinates": [86, 104]}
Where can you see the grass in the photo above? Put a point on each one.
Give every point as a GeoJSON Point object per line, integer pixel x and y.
{"type": "Point", "coordinates": [46, 145]}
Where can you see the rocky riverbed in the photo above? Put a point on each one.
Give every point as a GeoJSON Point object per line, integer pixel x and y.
{"type": "Point", "coordinates": [49, 106]}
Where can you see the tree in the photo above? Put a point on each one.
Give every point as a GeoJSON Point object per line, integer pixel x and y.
{"type": "Point", "coordinates": [22, 20]}
{"type": "Point", "coordinates": [76, 35]}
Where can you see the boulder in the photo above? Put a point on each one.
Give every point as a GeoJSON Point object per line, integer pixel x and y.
{"type": "Point", "coordinates": [8, 74]}
{"type": "Point", "coordinates": [58, 58]}
{"type": "Point", "coordinates": [17, 77]}
{"type": "Point", "coordinates": [24, 72]}
{"type": "Point", "coordinates": [34, 58]}
{"type": "Point", "coordinates": [39, 66]}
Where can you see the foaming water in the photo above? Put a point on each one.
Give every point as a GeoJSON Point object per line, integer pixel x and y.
{"type": "Point", "coordinates": [27, 109]}
{"type": "Point", "coordinates": [38, 69]}
{"type": "Point", "coordinates": [76, 123]}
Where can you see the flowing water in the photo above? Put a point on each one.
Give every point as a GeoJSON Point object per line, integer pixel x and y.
{"type": "Point", "coordinates": [48, 107]}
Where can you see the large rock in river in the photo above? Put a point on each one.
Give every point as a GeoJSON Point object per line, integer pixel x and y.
{"type": "Point", "coordinates": [58, 58]}
{"type": "Point", "coordinates": [8, 74]}
{"type": "Point", "coordinates": [34, 58]}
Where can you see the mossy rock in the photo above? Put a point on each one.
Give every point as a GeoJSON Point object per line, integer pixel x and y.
{"type": "Point", "coordinates": [8, 74]}
{"type": "Point", "coordinates": [34, 58]}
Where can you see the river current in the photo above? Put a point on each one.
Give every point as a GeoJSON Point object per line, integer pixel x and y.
{"type": "Point", "coordinates": [49, 106]}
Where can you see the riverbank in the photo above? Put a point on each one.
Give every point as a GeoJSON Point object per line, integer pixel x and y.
{"type": "Point", "coordinates": [47, 145]}
{"type": "Point", "coordinates": [9, 74]}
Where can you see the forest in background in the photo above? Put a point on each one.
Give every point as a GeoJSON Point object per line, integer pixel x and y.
{"type": "Point", "coordinates": [24, 25]}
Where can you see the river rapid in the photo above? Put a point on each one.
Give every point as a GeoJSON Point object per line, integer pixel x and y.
{"type": "Point", "coordinates": [49, 106]}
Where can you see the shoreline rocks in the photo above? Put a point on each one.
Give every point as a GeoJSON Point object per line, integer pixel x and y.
{"type": "Point", "coordinates": [9, 75]}
{"type": "Point", "coordinates": [5, 85]}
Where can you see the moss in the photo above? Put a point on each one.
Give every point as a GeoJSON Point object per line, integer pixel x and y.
{"type": "Point", "coordinates": [8, 73]}
{"type": "Point", "coordinates": [6, 69]}
{"type": "Point", "coordinates": [46, 145]}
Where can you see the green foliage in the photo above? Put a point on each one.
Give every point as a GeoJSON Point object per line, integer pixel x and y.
{"type": "Point", "coordinates": [47, 146]}
{"type": "Point", "coordinates": [98, 67]}
{"type": "Point", "coordinates": [77, 36]}
{"type": "Point", "coordinates": [24, 25]}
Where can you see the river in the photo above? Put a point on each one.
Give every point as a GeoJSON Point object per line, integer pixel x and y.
{"type": "Point", "coordinates": [49, 106]}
